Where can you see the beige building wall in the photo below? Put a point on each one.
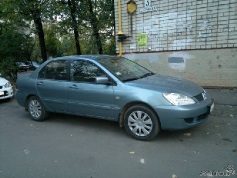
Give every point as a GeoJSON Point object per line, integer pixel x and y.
{"type": "Point", "coordinates": [193, 39]}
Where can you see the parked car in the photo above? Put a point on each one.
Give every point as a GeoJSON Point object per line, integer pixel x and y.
{"type": "Point", "coordinates": [22, 66]}
{"type": "Point", "coordinates": [33, 65]}
{"type": "Point", "coordinates": [116, 89]}
{"type": "Point", "coordinates": [6, 90]}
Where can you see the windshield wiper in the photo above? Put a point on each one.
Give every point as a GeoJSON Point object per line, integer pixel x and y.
{"type": "Point", "coordinates": [131, 79]}
{"type": "Point", "coordinates": [136, 78]}
{"type": "Point", "coordinates": [147, 74]}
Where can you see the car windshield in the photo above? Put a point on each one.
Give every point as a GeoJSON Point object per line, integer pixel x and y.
{"type": "Point", "coordinates": [124, 69]}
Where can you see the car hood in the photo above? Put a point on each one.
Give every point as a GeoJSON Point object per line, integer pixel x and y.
{"type": "Point", "coordinates": [3, 81]}
{"type": "Point", "coordinates": [164, 83]}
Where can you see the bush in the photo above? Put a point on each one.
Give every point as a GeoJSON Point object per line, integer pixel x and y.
{"type": "Point", "coordinates": [8, 69]}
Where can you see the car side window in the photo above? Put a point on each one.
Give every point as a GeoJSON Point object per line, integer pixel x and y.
{"type": "Point", "coordinates": [55, 70]}
{"type": "Point", "coordinates": [84, 71]}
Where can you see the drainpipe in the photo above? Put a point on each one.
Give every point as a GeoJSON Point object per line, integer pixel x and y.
{"type": "Point", "coordinates": [120, 27]}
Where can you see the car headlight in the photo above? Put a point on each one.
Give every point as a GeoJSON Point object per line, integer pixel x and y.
{"type": "Point", "coordinates": [178, 99]}
{"type": "Point", "coordinates": [7, 85]}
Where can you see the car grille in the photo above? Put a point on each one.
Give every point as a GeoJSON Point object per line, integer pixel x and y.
{"type": "Point", "coordinates": [201, 96]}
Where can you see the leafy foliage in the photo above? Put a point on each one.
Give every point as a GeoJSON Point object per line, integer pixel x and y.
{"type": "Point", "coordinates": [14, 46]}
{"type": "Point", "coordinates": [37, 29]}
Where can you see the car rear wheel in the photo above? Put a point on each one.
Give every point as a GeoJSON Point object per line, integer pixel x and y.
{"type": "Point", "coordinates": [141, 122]}
{"type": "Point", "coordinates": [36, 109]}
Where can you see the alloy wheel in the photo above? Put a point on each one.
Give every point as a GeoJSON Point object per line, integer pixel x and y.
{"type": "Point", "coordinates": [140, 123]}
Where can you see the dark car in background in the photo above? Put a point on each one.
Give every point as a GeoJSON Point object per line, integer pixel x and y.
{"type": "Point", "coordinates": [22, 66]}
{"type": "Point", "coordinates": [113, 88]}
{"type": "Point", "coordinates": [33, 65]}
{"type": "Point", "coordinates": [27, 65]}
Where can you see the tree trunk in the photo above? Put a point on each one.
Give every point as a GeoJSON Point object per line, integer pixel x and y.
{"type": "Point", "coordinates": [40, 32]}
{"type": "Point", "coordinates": [72, 7]}
{"type": "Point", "coordinates": [94, 23]}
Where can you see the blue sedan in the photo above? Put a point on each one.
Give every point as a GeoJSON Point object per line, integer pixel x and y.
{"type": "Point", "coordinates": [116, 89]}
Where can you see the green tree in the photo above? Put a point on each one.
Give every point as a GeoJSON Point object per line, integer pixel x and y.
{"type": "Point", "coordinates": [73, 9]}
{"type": "Point", "coordinates": [70, 26]}
{"type": "Point", "coordinates": [15, 39]}
{"type": "Point", "coordinates": [65, 11]}
{"type": "Point", "coordinates": [31, 10]}
{"type": "Point", "coordinates": [98, 19]}
{"type": "Point", "coordinates": [14, 46]}
{"type": "Point", "coordinates": [95, 25]}
{"type": "Point", "coordinates": [52, 40]}
{"type": "Point", "coordinates": [90, 21]}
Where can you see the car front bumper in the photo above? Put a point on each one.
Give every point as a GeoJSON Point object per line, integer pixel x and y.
{"type": "Point", "coordinates": [183, 117]}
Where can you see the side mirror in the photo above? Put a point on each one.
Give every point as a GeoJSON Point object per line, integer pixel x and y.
{"type": "Point", "coordinates": [102, 80]}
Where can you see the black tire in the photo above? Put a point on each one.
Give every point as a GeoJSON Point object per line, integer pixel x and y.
{"type": "Point", "coordinates": [141, 122]}
{"type": "Point", "coordinates": [36, 109]}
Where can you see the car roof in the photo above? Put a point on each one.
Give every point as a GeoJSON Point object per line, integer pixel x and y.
{"type": "Point", "coordinates": [89, 56]}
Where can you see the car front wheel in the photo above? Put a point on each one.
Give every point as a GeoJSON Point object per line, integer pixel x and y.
{"type": "Point", "coordinates": [36, 109]}
{"type": "Point", "coordinates": [141, 123]}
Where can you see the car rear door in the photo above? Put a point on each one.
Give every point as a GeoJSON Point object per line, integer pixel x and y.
{"type": "Point", "coordinates": [52, 84]}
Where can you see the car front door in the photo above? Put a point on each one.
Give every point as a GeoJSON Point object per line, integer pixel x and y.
{"type": "Point", "coordinates": [52, 85]}
{"type": "Point", "coordinates": [85, 96]}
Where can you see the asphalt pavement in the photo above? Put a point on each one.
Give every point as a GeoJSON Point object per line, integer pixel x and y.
{"type": "Point", "coordinates": [224, 96]}
{"type": "Point", "coordinates": [67, 146]}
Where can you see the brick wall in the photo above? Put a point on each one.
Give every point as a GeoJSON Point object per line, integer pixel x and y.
{"type": "Point", "coordinates": [181, 24]}
{"type": "Point", "coordinates": [194, 39]}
